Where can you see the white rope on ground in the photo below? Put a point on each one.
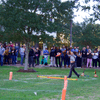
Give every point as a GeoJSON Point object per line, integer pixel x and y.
{"type": "Point", "coordinates": [23, 90]}
{"type": "Point", "coordinates": [36, 83]}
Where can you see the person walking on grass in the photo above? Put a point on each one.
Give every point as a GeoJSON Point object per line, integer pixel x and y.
{"type": "Point", "coordinates": [72, 62]}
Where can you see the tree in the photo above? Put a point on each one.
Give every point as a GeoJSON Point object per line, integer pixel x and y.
{"type": "Point", "coordinates": [24, 20]}
{"type": "Point", "coordinates": [86, 34]}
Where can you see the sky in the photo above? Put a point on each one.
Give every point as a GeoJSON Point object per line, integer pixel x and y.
{"type": "Point", "coordinates": [81, 15]}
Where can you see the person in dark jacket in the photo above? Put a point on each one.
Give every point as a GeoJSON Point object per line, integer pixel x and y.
{"type": "Point", "coordinates": [79, 58]}
{"type": "Point", "coordinates": [52, 57]}
{"type": "Point", "coordinates": [58, 53]}
{"type": "Point", "coordinates": [37, 55]}
{"type": "Point", "coordinates": [13, 55]}
{"type": "Point", "coordinates": [31, 57]}
{"type": "Point", "coordinates": [84, 57]}
{"type": "Point", "coordinates": [99, 58]}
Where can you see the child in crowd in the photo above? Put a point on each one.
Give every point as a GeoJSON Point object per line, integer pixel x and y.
{"type": "Point", "coordinates": [44, 61]}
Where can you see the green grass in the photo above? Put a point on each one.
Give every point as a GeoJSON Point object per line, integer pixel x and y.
{"type": "Point", "coordinates": [23, 85]}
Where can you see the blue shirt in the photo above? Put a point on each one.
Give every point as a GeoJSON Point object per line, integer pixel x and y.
{"type": "Point", "coordinates": [74, 50]}
{"type": "Point", "coordinates": [45, 51]}
{"type": "Point", "coordinates": [2, 50]}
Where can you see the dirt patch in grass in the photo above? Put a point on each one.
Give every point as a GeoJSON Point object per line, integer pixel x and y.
{"type": "Point", "coordinates": [29, 70]}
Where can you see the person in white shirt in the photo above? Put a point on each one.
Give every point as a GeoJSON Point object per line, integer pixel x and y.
{"type": "Point", "coordinates": [95, 58]}
{"type": "Point", "coordinates": [72, 68]}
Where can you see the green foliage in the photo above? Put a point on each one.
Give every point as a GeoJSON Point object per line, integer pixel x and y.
{"type": "Point", "coordinates": [86, 34]}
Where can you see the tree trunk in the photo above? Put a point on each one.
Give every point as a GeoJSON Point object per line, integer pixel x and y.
{"type": "Point", "coordinates": [26, 56]}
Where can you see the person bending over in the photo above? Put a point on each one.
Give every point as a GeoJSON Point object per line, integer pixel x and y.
{"type": "Point", "coordinates": [72, 62]}
{"type": "Point", "coordinates": [44, 61]}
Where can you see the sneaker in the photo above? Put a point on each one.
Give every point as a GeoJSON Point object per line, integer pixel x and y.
{"type": "Point", "coordinates": [78, 75]}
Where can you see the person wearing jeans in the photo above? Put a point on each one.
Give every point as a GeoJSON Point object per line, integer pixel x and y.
{"type": "Point", "coordinates": [52, 57]}
{"type": "Point", "coordinates": [46, 53]}
{"type": "Point", "coordinates": [37, 55]}
{"type": "Point", "coordinates": [2, 51]}
{"type": "Point", "coordinates": [13, 55]}
{"type": "Point", "coordinates": [63, 50]}
{"type": "Point", "coordinates": [72, 68]}
{"type": "Point", "coordinates": [17, 50]}
{"type": "Point", "coordinates": [84, 56]}
{"type": "Point", "coordinates": [22, 53]}
{"type": "Point", "coordinates": [89, 58]}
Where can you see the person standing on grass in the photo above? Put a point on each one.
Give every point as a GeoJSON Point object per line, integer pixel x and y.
{"type": "Point", "coordinates": [95, 58]}
{"type": "Point", "coordinates": [31, 57]}
{"type": "Point", "coordinates": [99, 58]}
{"type": "Point", "coordinates": [62, 56]}
{"type": "Point", "coordinates": [37, 54]}
{"type": "Point", "coordinates": [22, 54]}
{"type": "Point", "coordinates": [52, 57]}
{"type": "Point", "coordinates": [2, 51]}
{"type": "Point", "coordinates": [13, 55]}
{"type": "Point", "coordinates": [84, 57]}
{"type": "Point", "coordinates": [57, 58]}
{"type": "Point", "coordinates": [6, 56]}
{"type": "Point", "coordinates": [17, 50]}
{"type": "Point", "coordinates": [79, 58]}
{"type": "Point", "coordinates": [46, 53]}
{"type": "Point", "coordinates": [72, 62]}
{"type": "Point", "coordinates": [89, 58]}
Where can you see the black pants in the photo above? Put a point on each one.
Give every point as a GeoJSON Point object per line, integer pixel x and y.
{"type": "Point", "coordinates": [6, 58]}
{"type": "Point", "coordinates": [79, 62]}
{"type": "Point", "coordinates": [84, 61]}
{"type": "Point", "coordinates": [31, 61]}
{"type": "Point", "coordinates": [58, 59]}
{"type": "Point", "coordinates": [72, 69]}
{"type": "Point", "coordinates": [95, 62]}
{"type": "Point", "coordinates": [43, 63]}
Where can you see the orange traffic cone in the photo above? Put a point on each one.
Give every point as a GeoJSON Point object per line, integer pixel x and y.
{"type": "Point", "coordinates": [10, 75]}
{"type": "Point", "coordinates": [95, 75]}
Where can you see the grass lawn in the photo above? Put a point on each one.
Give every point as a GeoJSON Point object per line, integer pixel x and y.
{"type": "Point", "coordinates": [23, 85]}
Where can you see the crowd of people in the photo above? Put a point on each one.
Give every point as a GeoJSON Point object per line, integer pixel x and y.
{"type": "Point", "coordinates": [9, 53]}
{"type": "Point", "coordinates": [61, 57]}
{"type": "Point", "coordinates": [58, 57]}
